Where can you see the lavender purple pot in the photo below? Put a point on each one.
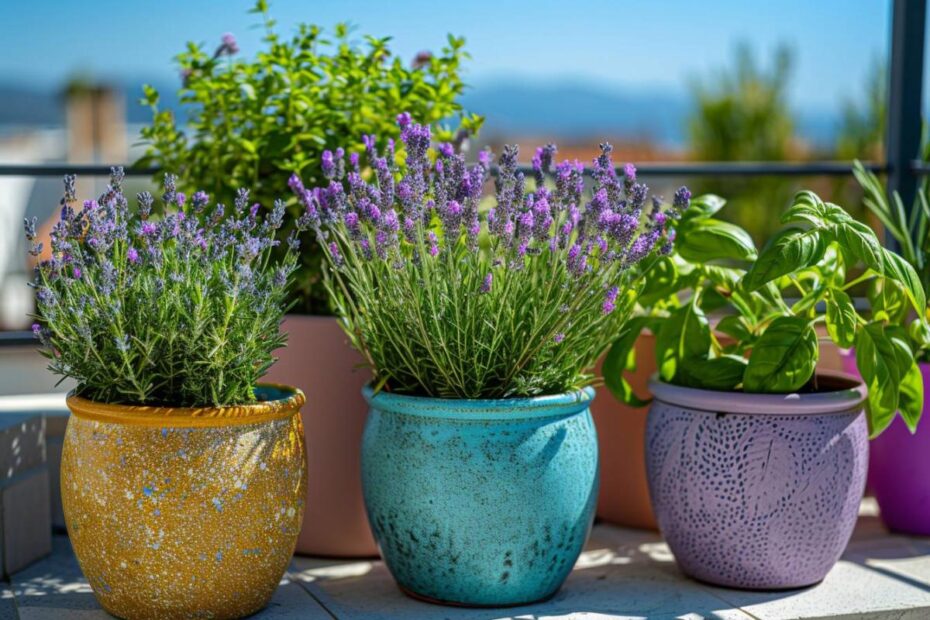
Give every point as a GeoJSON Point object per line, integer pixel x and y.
{"type": "Point", "coordinates": [757, 491]}
{"type": "Point", "coordinates": [899, 468]}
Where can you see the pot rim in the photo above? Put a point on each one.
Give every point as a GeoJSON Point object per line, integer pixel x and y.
{"type": "Point", "coordinates": [481, 409]}
{"type": "Point", "coordinates": [289, 404]}
{"type": "Point", "coordinates": [712, 401]}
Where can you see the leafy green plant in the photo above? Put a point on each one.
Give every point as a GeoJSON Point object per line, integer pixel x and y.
{"type": "Point", "coordinates": [180, 310]}
{"type": "Point", "coordinates": [911, 229]}
{"type": "Point", "coordinates": [772, 302]}
{"type": "Point", "coordinates": [254, 122]}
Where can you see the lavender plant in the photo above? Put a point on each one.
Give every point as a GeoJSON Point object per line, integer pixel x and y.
{"type": "Point", "coordinates": [447, 298]}
{"type": "Point", "coordinates": [178, 310]}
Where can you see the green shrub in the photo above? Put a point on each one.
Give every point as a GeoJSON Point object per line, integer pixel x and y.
{"type": "Point", "coordinates": [254, 122]}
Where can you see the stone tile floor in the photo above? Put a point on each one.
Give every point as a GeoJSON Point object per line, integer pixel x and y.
{"type": "Point", "coordinates": [623, 573]}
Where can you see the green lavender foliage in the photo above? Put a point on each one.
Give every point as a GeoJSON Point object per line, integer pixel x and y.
{"type": "Point", "coordinates": [448, 299]}
{"type": "Point", "coordinates": [251, 122]}
{"type": "Point", "coordinates": [772, 305]}
{"type": "Point", "coordinates": [911, 229]}
{"type": "Point", "coordinates": [178, 310]}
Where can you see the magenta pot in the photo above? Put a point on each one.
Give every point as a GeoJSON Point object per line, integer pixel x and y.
{"type": "Point", "coordinates": [757, 491]}
{"type": "Point", "coordinates": [899, 468]}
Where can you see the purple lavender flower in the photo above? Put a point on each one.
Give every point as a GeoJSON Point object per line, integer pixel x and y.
{"type": "Point", "coordinates": [629, 173]}
{"type": "Point", "coordinates": [404, 119]}
{"type": "Point", "coordinates": [327, 164]}
{"type": "Point", "coordinates": [486, 284]}
{"type": "Point", "coordinates": [335, 254]}
{"type": "Point", "coordinates": [610, 300]}
{"type": "Point", "coordinates": [132, 255]}
{"type": "Point", "coordinates": [228, 46]}
{"type": "Point", "coordinates": [559, 337]}
{"type": "Point", "coordinates": [422, 59]}
{"type": "Point", "coordinates": [451, 215]}
{"type": "Point", "coordinates": [682, 199]}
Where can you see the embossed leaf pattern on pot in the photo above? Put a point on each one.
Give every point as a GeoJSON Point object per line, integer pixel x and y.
{"type": "Point", "coordinates": [755, 501]}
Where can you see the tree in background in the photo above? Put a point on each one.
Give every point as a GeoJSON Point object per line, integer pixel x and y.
{"type": "Point", "coordinates": [862, 129]}
{"type": "Point", "coordinates": [742, 114]}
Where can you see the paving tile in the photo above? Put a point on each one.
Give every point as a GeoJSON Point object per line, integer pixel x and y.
{"type": "Point", "coordinates": [616, 577]}
{"type": "Point", "coordinates": [55, 588]}
{"type": "Point", "coordinates": [855, 589]}
{"type": "Point", "coordinates": [7, 604]}
{"type": "Point", "coordinates": [623, 574]}
{"type": "Point", "coordinates": [292, 601]}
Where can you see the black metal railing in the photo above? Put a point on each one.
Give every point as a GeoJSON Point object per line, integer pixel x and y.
{"type": "Point", "coordinates": [657, 169]}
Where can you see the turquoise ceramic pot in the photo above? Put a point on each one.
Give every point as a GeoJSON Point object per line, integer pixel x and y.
{"type": "Point", "coordinates": [480, 502]}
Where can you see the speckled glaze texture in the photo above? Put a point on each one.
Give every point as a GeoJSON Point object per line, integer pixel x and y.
{"type": "Point", "coordinates": [480, 502]}
{"type": "Point", "coordinates": [762, 500]}
{"type": "Point", "coordinates": [184, 513]}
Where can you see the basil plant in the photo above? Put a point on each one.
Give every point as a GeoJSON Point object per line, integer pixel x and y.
{"type": "Point", "coordinates": [772, 302]}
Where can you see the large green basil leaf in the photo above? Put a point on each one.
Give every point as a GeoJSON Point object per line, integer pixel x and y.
{"type": "Point", "coordinates": [899, 269]}
{"type": "Point", "coordinates": [783, 358]}
{"type": "Point", "coordinates": [841, 318]}
{"type": "Point", "coordinates": [704, 206]}
{"type": "Point", "coordinates": [735, 326]}
{"type": "Point", "coordinates": [662, 281]}
{"type": "Point", "coordinates": [878, 365]}
{"type": "Point", "coordinates": [806, 206]}
{"type": "Point", "coordinates": [705, 240]}
{"type": "Point", "coordinates": [911, 394]}
{"type": "Point", "coordinates": [887, 297]}
{"type": "Point", "coordinates": [859, 242]}
{"type": "Point", "coordinates": [622, 358]}
{"type": "Point", "coordinates": [790, 250]}
{"type": "Point", "coordinates": [683, 337]}
{"type": "Point", "coordinates": [722, 373]}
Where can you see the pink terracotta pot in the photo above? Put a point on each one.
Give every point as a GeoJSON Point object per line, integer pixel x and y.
{"type": "Point", "coordinates": [621, 434]}
{"type": "Point", "coordinates": [319, 360]}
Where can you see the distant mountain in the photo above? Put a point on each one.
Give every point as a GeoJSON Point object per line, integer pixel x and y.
{"type": "Point", "coordinates": [563, 109]}
{"type": "Point", "coordinates": [582, 110]}
{"type": "Point", "coordinates": [578, 110]}
{"type": "Point", "coordinates": [21, 105]}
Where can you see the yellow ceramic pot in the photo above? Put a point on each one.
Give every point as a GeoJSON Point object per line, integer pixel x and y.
{"type": "Point", "coordinates": [185, 513]}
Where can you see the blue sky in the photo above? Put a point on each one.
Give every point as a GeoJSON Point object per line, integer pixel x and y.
{"type": "Point", "coordinates": [623, 44]}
